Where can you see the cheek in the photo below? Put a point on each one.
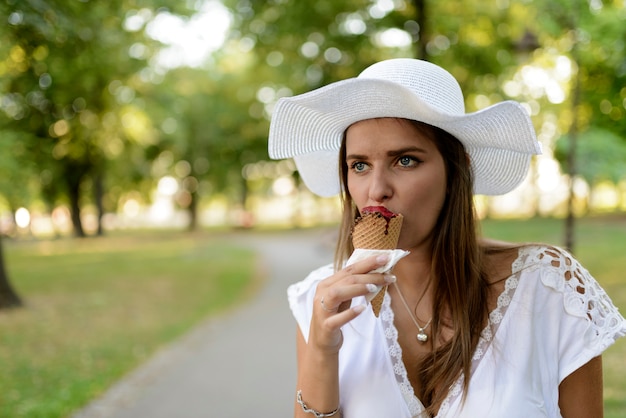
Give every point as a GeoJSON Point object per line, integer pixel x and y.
{"type": "Point", "coordinates": [429, 196]}
{"type": "Point", "coordinates": [439, 189]}
{"type": "Point", "coordinates": [429, 193]}
{"type": "Point", "coordinates": [356, 188]}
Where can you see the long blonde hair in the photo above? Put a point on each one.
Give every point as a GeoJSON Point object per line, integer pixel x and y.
{"type": "Point", "coordinates": [461, 285]}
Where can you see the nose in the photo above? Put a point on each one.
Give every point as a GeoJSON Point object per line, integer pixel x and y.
{"type": "Point", "coordinates": [380, 187]}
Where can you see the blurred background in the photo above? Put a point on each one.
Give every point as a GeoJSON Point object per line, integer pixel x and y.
{"type": "Point", "coordinates": [142, 125]}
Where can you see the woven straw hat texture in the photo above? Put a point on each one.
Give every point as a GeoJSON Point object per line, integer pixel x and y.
{"type": "Point", "coordinates": [499, 139]}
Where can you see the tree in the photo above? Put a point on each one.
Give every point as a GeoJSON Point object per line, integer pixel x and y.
{"type": "Point", "coordinates": [14, 170]}
{"type": "Point", "coordinates": [587, 34]}
{"type": "Point", "coordinates": [68, 74]}
{"type": "Point", "coordinates": [208, 130]}
{"type": "Point", "coordinates": [602, 152]}
{"type": "Point", "coordinates": [8, 296]}
{"type": "Point", "coordinates": [101, 120]}
{"type": "Point", "coordinates": [71, 71]}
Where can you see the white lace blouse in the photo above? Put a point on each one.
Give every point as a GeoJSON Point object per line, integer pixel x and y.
{"type": "Point", "coordinates": [551, 319]}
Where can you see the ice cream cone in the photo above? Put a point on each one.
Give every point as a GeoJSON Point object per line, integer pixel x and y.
{"type": "Point", "coordinates": [377, 229]}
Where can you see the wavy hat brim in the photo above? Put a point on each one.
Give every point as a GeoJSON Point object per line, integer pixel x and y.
{"type": "Point", "coordinates": [499, 139]}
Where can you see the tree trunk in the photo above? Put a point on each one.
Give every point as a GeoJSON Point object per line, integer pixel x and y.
{"type": "Point", "coordinates": [571, 154]}
{"type": "Point", "coordinates": [98, 196]}
{"type": "Point", "coordinates": [73, 192]}
{"type": "Point", "coordinates": [8, 296]}
{"type": "Point", "coordinates": [193, 212]}
{"type": "Point", "coordinates": [245, 191]}
{"type": "Point", "coordinates": [421, 19]}
{"type": "Point", "coordinates": [247, 220]}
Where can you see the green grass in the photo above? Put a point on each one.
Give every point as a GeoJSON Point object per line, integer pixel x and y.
{"type": "Point", "coordinates": [600, 245]}
{"type": "Point", "coordinates": [96, 308]}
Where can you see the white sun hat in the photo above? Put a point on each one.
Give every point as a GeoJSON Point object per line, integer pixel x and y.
{"type": "Point", "coordinates": [499, 139]}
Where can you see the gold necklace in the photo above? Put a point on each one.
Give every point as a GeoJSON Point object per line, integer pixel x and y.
{"type": "Point", "coordinates": [422, 337]}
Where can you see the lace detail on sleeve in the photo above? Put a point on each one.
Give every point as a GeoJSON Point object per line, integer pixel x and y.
{"type": "Point", "coordinates": [582, 295]}
{"type": "Point", "coordinates": [416, 408]}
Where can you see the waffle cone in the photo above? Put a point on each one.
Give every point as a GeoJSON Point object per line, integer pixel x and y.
{"type": "Point", "coordinates": [376, 232]}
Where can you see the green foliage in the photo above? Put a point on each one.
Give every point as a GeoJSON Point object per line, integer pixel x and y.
{"type": "Point", "coordinates": [599, 155]}
{"type": "Point", "coordinates": [213, 131]}
{"type": "Point", "coordinates": [603, 58]}
{"type": "Point", "coordinates": [83, 88]}
{"type": "Point", "coordinates": [592, 34]}
{"type": "Point", "coordinates": [68, 84]}
{"type": "Point", "coordinates": [15, 170]}
{"type": "Point", "coordinates": [302, 46]}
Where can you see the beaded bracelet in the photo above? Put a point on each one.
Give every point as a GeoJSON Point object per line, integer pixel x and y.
{"type": "Point", "coordinates": [308, 410]}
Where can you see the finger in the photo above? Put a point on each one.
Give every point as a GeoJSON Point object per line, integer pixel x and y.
{"type": "Point", "coordinates": [342, 318]}
{"type": "Point", "coordinates": [339, 297]}
{"type": "Point", "coordinates": [379, 279]}
{"type": "Point", "coordinates": [345, 294]}
{"type": "Point", "coordinates": [350, 272]}
{"type": "Point", "coordinates": [330, 308]}
{"type": "Point", "coordinates": [369, 288]}
{"type": "Point", "coordinates": [367, 265]}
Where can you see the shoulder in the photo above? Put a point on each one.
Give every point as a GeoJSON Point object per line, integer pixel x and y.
{"type": "Point", "coordinates": [498, 259]}
{"type": "Point", "coordinates": [555, 273]}
{"type": "Point", "coordinates": [554, 267]}
{"type": "Point", "coordinates": [505, 257]}
{"type": "Point", "coordinates": [551, 259]}
{"type": "Point", "coordinates": [540, 269]}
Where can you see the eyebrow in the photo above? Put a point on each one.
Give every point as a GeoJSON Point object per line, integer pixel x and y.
{"type": "Point", "coordinates": [405, 150]}
{"type": "Point", "coordinates": [391, 153]}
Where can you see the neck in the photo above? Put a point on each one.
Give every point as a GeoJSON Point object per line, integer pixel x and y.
{"type": "Point", "coordinates": [413, 270]}
{"type": "Point", "coordinates": [413, 274]}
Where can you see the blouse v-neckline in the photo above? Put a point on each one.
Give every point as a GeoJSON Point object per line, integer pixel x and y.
{"type": "Point", "coordinates": [415, 406]}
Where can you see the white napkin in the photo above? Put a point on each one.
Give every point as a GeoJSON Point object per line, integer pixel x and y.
{"type": "Point", "coordinates": [363, 253]}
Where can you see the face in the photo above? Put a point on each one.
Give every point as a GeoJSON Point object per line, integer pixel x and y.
{"type": "Point", "coordinates": [393, 163]}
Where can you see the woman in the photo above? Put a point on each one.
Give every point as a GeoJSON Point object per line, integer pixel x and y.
{"type": "Point", "coordinates": [468, 327]}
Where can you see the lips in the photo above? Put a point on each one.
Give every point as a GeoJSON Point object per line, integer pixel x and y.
{"type": "Point", "coordinates": [386, 213]}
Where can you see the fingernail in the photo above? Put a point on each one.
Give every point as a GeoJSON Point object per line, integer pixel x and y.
{"type": "Point", "coordinates": [358, 308]}
{"type": "Point", "coordinates": [382, 259]}
{"type": "Point", "coordinates": [390, 278]}
{"type": "Point", "coordinates": [371, 287]}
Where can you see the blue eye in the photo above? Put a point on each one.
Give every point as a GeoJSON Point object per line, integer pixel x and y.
{"type": "Point", "coordinates": [358, 166]}
{"type": "Point", "coordinates": [407, 161]}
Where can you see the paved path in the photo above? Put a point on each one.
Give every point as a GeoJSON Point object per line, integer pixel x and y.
{"type": "Point", "coordinates": [241, 364]}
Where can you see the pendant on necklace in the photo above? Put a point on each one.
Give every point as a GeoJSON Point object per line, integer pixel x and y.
{"type": "Point", "coordinates": [421, 336]}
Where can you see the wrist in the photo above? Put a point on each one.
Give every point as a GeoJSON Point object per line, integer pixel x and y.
{"type": "Point", "coordinates": [317, 414]}
{"type": "Point", "coordinates": [326, 349]}
{"type": "Point", "coordinates": [321, 358]}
